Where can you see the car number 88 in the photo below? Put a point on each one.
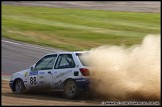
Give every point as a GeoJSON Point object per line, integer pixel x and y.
{"type": "Point", "coordinates": [33, 80]}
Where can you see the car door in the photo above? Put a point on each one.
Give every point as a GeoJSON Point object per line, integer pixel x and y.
{"type": "Point", "coordinates": [63, 68]}
{"type": "Point", "coordinates": [41, 76]}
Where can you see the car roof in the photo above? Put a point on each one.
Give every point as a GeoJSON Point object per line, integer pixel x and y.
{"type": "Point", "coordinates": [67, 52]}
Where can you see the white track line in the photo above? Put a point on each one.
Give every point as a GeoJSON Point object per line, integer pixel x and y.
{"type": "Point", "coordinates": [23, 44]}
{"type": "Point", "coordinates": [5, 79]}
{"type": "Point", "coordinates": [11, 42]}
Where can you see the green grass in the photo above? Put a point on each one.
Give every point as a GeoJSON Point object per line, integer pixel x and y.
{"type": "Point", "coordinates": [76, 29]}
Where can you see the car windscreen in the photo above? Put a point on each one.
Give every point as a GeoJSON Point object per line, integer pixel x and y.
{"type": "Point", "coordinates": [79, 55]}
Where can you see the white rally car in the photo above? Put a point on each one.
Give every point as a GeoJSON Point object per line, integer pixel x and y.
{"type": "Point", "coordinates": [63, 71]}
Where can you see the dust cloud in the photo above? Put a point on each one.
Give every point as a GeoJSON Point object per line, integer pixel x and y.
{"type": "Point", "coordinates": [121, 73]}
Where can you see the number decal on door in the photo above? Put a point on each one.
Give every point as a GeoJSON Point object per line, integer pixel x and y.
{"type": "Point", "coordinates": [33, 80]}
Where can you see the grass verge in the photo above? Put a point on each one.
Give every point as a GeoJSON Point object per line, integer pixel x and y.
{"type": "Point", "coordinates": [76, 29]}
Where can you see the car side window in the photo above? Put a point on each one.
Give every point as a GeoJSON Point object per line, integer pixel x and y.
{"type": "Point", "coordinates": [45, 63]}
{"type": "Point", "coordinates": [64, 61]}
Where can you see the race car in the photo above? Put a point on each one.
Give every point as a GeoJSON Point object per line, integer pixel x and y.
{"type": "Point", "coordinates": [62, 71]}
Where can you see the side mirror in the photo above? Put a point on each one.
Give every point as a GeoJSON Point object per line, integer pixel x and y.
{"type": "Point", "coordinates": [31, 68]}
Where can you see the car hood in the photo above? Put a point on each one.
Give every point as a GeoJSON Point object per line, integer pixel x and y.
{"type": "Point", "coordinates": [21, 72]}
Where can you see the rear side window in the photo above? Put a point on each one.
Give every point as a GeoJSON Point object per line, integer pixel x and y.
{"type": "Point", "coordinates": [64, 61]}
{"type": "Point", "coordinates": [79, 55]}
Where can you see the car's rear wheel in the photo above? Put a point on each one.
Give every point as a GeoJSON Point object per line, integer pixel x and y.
{"type": "Point", "coordinates": [70, 89]}
{"type": "Point", "coordinates": [19, 87]}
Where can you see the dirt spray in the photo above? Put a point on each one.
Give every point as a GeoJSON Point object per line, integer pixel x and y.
{"type": "Point", "coordinates": [122, 73]}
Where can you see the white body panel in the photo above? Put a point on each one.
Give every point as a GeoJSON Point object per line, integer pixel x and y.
{"type": "Point", "coordinates": [52, 78]}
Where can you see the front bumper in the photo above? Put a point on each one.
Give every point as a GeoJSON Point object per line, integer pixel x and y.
{"type": "Point", "coordinates": [11, 84]}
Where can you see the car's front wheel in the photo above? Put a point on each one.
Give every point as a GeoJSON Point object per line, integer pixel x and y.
{"type": "Point", "coordinates": [70, 89]}
{"type": "Point", "coordinates": [19, 87]}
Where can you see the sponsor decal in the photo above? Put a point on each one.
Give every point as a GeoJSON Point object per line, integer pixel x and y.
{"type": "Point", "coordinates": [63, 73]}
{"type": "Point", "coordinates": [41, 72]}
{"type": "Point", "coordinates": [25, 74]}
{"type": "Point", "coordinates": [58, 85]}
{"type": "Point", "coordinates": [60, 75]}
{"type": "Point", "coordinates": [33, 73]}
{"type": "Point", "coordinates": [81, 79]}
{"type": "Point", "coordinates": [69, 71]}
{"type": "Point", "coordinates": [41, 77]}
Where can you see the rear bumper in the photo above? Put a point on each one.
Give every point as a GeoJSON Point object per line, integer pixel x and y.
{"type": "Point", "coordinates": [11, 84]}
{"type": "Point", "coordinates": [83, 84]}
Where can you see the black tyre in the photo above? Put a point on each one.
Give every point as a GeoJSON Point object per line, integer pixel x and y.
{"type": "Point", "coordinates": [70, 89]}
{"type": "Point", "coordinates": [19, 87]}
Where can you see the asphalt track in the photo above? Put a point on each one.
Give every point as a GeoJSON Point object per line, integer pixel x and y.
{"type": "Point", "coordinates": [17, 56]}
